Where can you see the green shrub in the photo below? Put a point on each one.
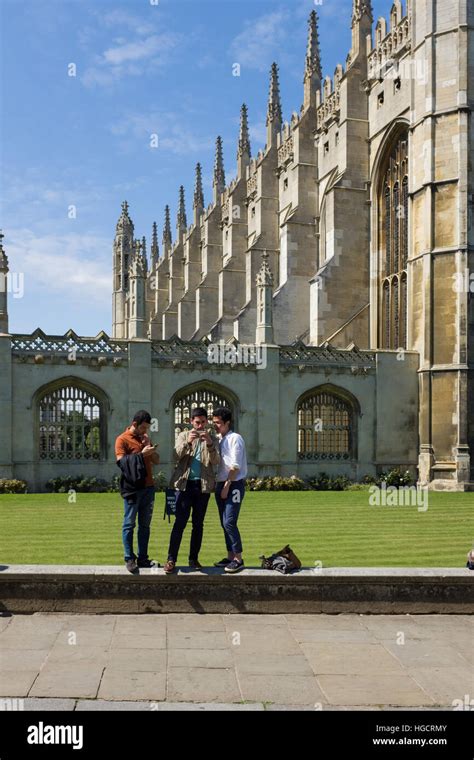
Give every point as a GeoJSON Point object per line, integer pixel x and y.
{"type": "Point", "coordinates": [161, 481]}
{"type": "Point", "coordinates": [12, 486]}
{"type": "Point", "coordinates": [81, 484]}
{"type": "Point", "coordinates": [324, 482]}
{"type": "Point", "coordinates": [396, 478]}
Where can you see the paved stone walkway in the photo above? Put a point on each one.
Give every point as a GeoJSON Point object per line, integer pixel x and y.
{"type": "Point", "coordinates": [92, 662]}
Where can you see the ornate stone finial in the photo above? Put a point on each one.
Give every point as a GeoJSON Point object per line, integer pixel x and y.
{"type": "Point", "coordinates": [167, 229]}
{"type": "Point", "coordinates": [198, 191]}
{"type": "Point", "coordinates": [244, 139]}
{"type": "Point", "coordinates": [125, 223]}
{"type": "Point", "coordinates": [181, 222]}
{"type": "Point", "coordinates": [313, 52]}
{"type": "Point", "coordinates": [274, 104]}
{"type": "Point", "coordinates": [154, 245]}
{"type": "Point", "coordinates": [219, 173]}
{"type": "Point", "coordinates": [264, 275]}
{"type": "Point", "coordinates": [361, 7]}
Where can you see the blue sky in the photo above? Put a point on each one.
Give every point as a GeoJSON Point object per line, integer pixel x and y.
{"type": "Point", "coordinates": [84, 140]}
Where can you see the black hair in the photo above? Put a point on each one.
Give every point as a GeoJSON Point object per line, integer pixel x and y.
{"type": "Point", "coordinates": [223, 412]}
{"type": "Point", "coordinates": [198, 411]}
{"type": "Point", "coordinates": [142, 416]}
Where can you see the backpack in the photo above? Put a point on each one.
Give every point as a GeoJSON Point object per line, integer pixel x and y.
{"type": "Point", "coordinates": [285, 561]}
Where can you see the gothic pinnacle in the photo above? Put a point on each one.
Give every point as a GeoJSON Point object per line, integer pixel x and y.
{"type": "Point", "coordinates": [154, 245]}
{"type": "Point", "coordinates": [244, 140]}
{"type": "Point", "coordinates": [313, 52]}
{"type": "Point", "coordinates": [167, 229]}
{"type": "Point", "coordinates": [198, 193]}
{"type": "Point", "coordinates": [181, 223]}
{"type": "Point", "coordinates": [274, 104]}
{"type": "Point", "coordinates": [219, 174]}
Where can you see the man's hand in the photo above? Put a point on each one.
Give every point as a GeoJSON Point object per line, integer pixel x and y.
{"type": "Point", "coordinates": [206, 437]}
{"type": "Point", "coordinates": [148, 450]}
{"type": "Point", "coordinates": [192, 436]}
{"type": "Point", "coordinates": [225, 489]}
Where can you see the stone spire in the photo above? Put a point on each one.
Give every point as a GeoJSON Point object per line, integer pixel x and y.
{"type": "Point", "coordinates": [167, 241]}
{"type": "Point", "coordinates": [362, 18]}
{"type": "Point", "coordinates": [264, 279]}
{"type": "Point", "coordinates": [3, 287]}
{"type": "Point", "coordinates": [155, 252]}
{"type": "Point", "coordinates": [198, 202]}
{"type": "Point", "coordinates": [312, 72]}
{"type": "Point", "coordinates": [122, 255]}
{"type": "Point", "coordinates": [136, 322]}
{"type": "Point", "coordinates": [181, 222]}
{"type": "Point", "coordinates": [243, 150]}
{"type": "Point", "coordinates": [274, 117]}
{"type": "Point", "coordinates": [218, 182]}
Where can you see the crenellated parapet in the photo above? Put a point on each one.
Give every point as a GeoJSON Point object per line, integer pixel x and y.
{"type": "Point", "coordinates": [392, 45]}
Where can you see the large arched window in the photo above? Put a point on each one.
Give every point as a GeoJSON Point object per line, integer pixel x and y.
{"type": "Point", "coordinates": [326, 426]}
{"type": "Point", "coordinates": [71, 423]}
{"type": "Point", "coordinates": [199, 395]}
{"type": "Point", "coordinates": [393, 249]}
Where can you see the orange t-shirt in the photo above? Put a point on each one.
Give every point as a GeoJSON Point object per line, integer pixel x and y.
{"type": "Point", "coordinates": [129, 442]}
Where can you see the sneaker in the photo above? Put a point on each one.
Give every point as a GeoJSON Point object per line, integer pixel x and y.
{"type": "Point", "coordinates": [194, 564]}
{"type": "Point", "coordinates": [131, 565]}
{"type": "Point", "coordinates": [235, 566]}
{"type": "Point", "coordinates": [170, 566]}
{"type": "Point", "coordinates": [223, 562]}
{"type": "Point", "coordinates": [148, 563]}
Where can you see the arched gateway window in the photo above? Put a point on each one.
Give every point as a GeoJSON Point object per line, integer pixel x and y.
{"type": "Point", "coordinates": [71, 424]}
{"type": "Point", "coordinates": [199, 396]}
{"type": "Point", "coordinates": [393, 237]}
{"type": "Point", "coordinates": [326, 426]}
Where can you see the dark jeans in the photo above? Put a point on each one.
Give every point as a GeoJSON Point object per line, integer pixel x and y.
{"type": "Point", "coordinates": [192, 498]}
{"type": "Point", "coordinates": [143, 507]}
{"type": "Point", "coordinates": [229, 509]}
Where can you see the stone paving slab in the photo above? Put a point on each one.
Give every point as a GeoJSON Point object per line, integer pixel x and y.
{"type": "Point", "coordinates": [118, 683]}
{"type": "Point", "coordinates": [372, 689]}
{"type": "Point", "coordinates": [203, 685]}
{"type": "Point", "coordinates": [351, 659]}
{"type": "Point", "coordinates": [204, 661]}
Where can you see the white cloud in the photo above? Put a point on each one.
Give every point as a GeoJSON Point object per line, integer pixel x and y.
{"type": "Point", "coordinates": [76, 267]}
{"type": "Point", "coordinates": [122, 18]}
{"type": "Point", "coordinates": [172, 135]}
{"type": "Point", "coordinates": [137, 48]}
{"type": "Point", "coordinates": [259, 43]}
{"type": "Point", "coordinates": [136, 51]}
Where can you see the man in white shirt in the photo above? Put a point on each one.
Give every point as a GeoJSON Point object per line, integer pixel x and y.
{"type": "Point", "coordinates": [230, 487]}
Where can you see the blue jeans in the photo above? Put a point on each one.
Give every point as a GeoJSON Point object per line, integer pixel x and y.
{"type": "Point", "coordinates": [192, 498]}
{"type": "Point", "coordinates": [229, 509]}
{"type": "Point", "coordinates": [143, 507]}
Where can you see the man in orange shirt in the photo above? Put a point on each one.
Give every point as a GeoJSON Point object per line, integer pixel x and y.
{"type": "Point", "coordinates": [135, 440]}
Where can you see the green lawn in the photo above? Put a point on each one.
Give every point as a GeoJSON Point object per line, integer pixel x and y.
{"type": "Point", "coordinates": [335, 528]}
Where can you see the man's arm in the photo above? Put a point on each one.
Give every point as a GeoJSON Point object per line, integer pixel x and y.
{"type": "Point", "coordinates": [213, 449]}
{"type": "Point", "coordinates": [120, 449]}
{"type": "Point", "coordinates": [183, 447]}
